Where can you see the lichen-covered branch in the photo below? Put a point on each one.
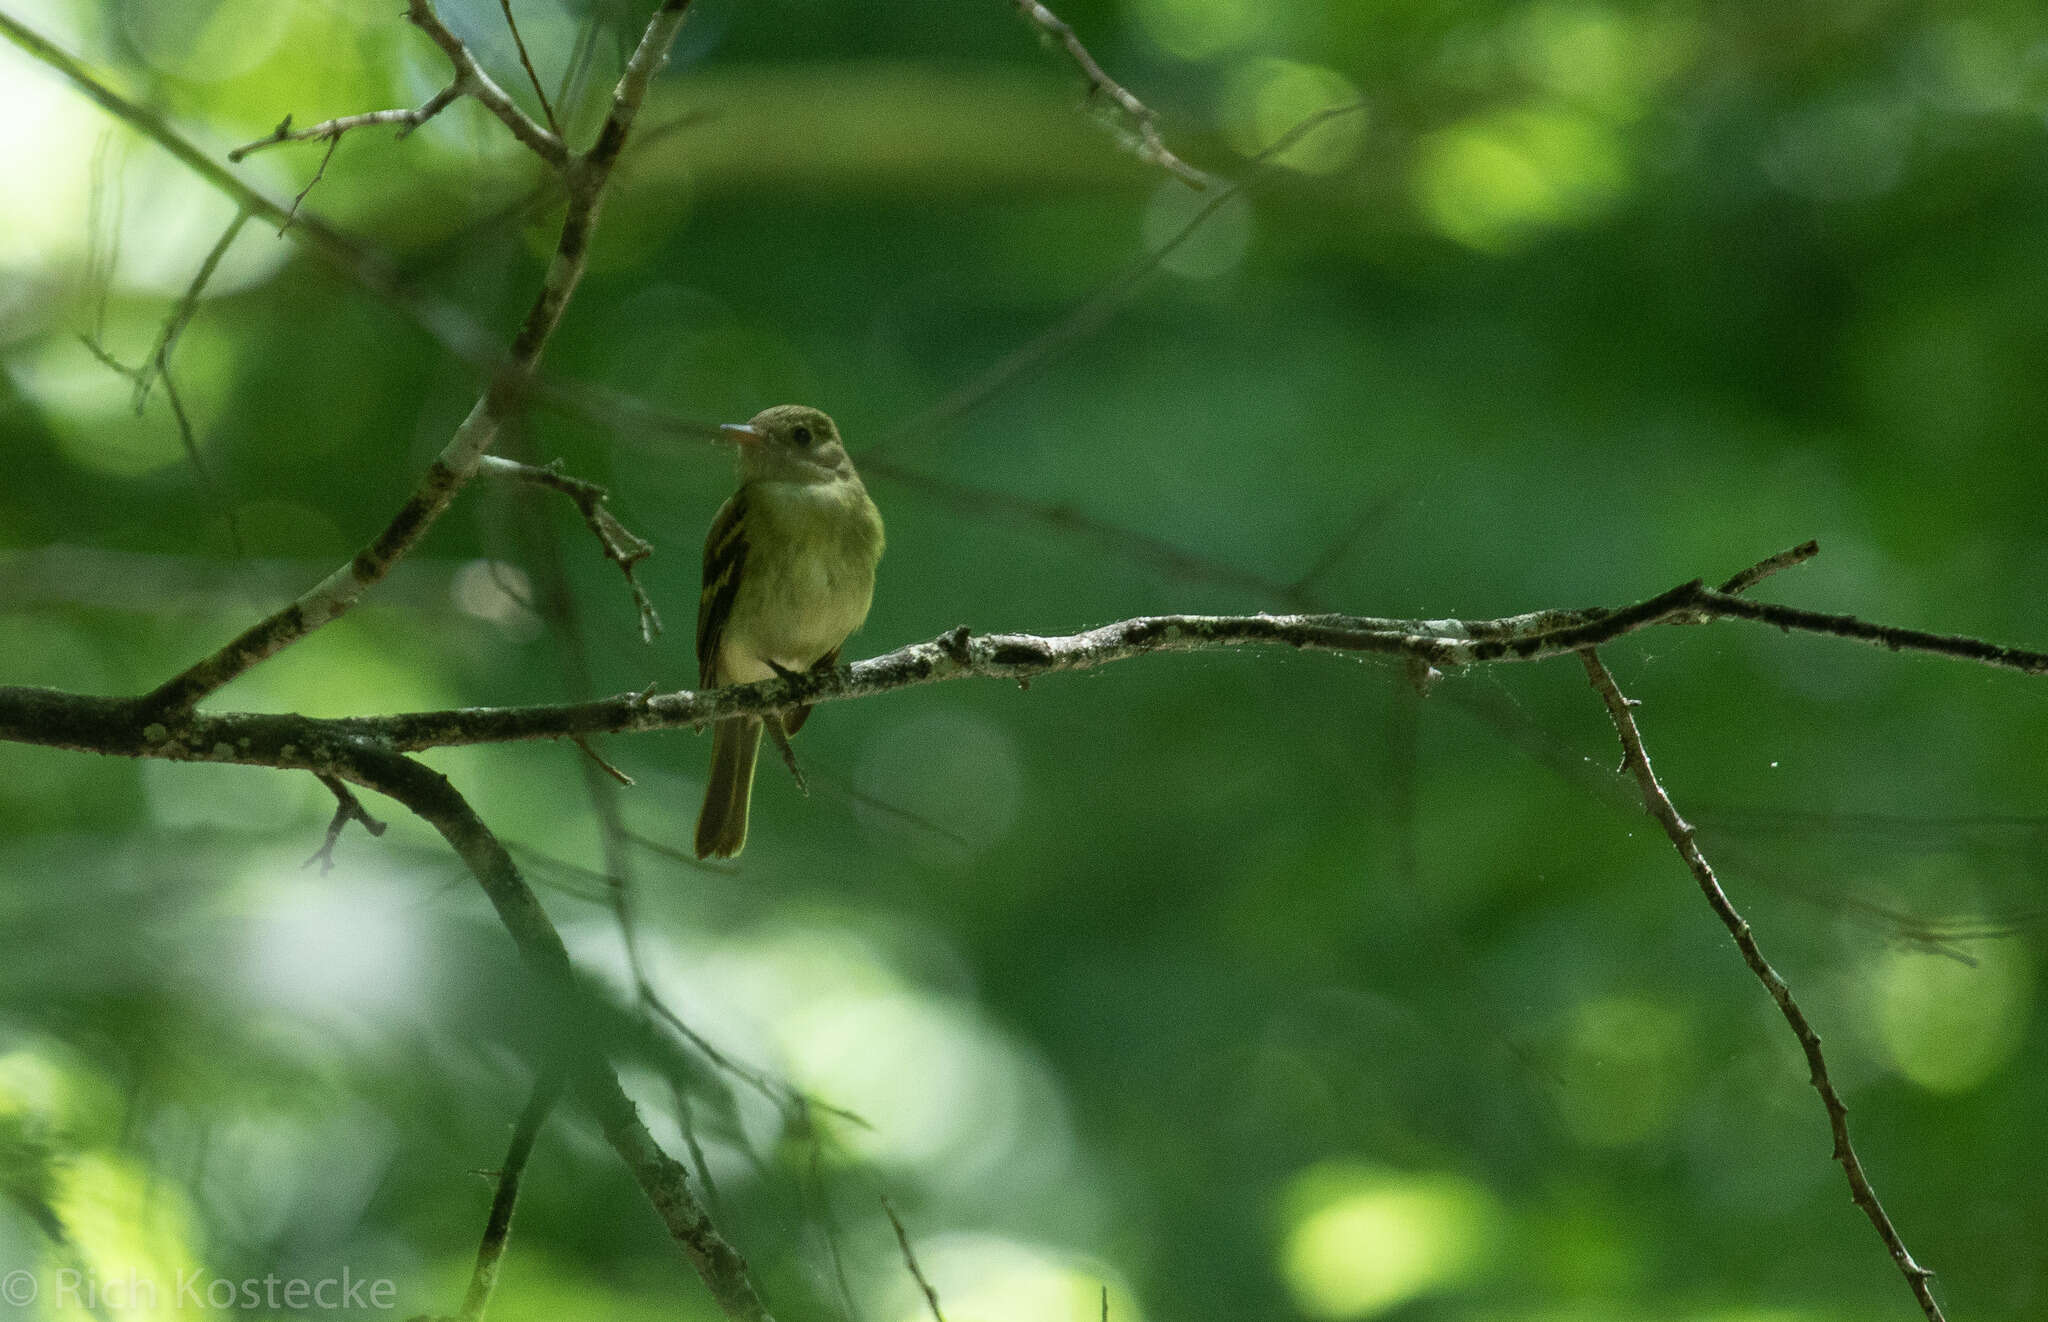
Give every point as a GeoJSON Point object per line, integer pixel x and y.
{"type": "Point", "coordinates": [130, 727]}
{"type": "Point", "coordinates": [1636, 760]}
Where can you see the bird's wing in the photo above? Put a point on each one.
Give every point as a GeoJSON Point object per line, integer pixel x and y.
{"type": "Point", "coordinates": [725, 559]}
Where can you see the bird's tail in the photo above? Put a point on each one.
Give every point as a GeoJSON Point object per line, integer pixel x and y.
{"type": "Point", "coordinates": [722, 825]}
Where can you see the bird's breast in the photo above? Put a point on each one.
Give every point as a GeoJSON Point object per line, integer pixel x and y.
{"type": "Point", "coordinates": [808, 580]}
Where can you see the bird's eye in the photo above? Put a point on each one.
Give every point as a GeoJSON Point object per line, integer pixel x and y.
{"type": "Point", "coordinates": [802, 435]}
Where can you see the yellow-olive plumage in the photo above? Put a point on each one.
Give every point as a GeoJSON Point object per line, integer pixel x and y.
{"type": "Point", "coordinates": [789, 570]}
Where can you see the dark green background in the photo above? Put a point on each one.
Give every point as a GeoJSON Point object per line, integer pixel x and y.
{"type": "Point", "coordinates": [1157, 976]}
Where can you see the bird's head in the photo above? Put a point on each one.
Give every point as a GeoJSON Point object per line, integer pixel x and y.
{"type": "Point", "coordinates": [789, 443]}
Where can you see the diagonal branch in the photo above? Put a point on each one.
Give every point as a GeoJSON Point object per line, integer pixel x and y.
{"type": "Point", "coordinates": [931, 1296]}
{"type": "Point", "coordinates": [547, 1089]}
{"type": "Point", "coordinates": [1636, 759]}
{"type": "Point", "coordinates": [451, 470]}
{"type": "Point", "coordinates": [1151, 146]}
{"type": "Point", "coordinates": [1096, 311]}
{"type": "Point", "coordinates": [547, 110]}
{"type": "Point", "coordinates": [661, 1178]}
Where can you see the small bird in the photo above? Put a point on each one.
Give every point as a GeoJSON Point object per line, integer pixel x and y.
{"type": "Point", "coordinates": [789, 571]}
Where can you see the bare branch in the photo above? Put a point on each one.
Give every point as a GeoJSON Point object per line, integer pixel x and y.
{"type": "Point", "coordinates": [159, 360]}
{"type": "Point", "coordinates": [547, 1088]}
{"type": "Point", "coordinates": [526, 63]}
{"type": "Point", "coordinates": [451, 470]}
{"type": "Point", "coordinates": [347, 808]}
{"type": "Point", "coordinates": [298, 199]}
{"type": "Point", "coordinates": [620, 546]}
{"type": "Point", "coordinates": [931, 1296]}
{"type": "Point", "coordinates": [330, 131]}
{"type": "Point", "coordinates": [470, 80]}
{"type": "Point", "coordinates": [590, 751]}
{"type": "Point", "coordinates": [1764, 568]}
{"type": "Point", "coordinates": [1636, 759]}
{"type": "Point", "coordinates": [1150, 146]}
{"type": "Point", "coordinates": [158, 366]}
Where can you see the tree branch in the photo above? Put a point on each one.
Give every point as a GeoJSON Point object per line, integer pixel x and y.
{"type": "Point", "coordinates": [620, 546]}
{"type": "Point", "coordinates": [547, 1088]}
{"type": "Point", "coordinates": [129, 727]}
{"type": "Point", "coordinates": [1636, 759]}
{"type": "Point", "coordinates": [931, 1296]}
{"type": "Point", "coordinates": [331, 130]}
{"type": "Point", "coordinates": [339, 591]}
{"type": "Point", "coordinates": [1150, 146]}
{"type": "Point", "coordinates": [526, 62]}
{"type": "Point", "coordinates": [472, 81]}
{"type": "Point", "coordinates": [663, 1180]}
{"type": "Point", "coordinates": [347, 808]}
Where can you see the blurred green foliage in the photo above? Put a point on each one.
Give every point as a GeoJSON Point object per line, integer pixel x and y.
{"type": "Point", "coordinates": [1239, 985]}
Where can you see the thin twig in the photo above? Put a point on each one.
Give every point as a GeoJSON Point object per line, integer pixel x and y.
{"type": "Point", "coordinates": [159, 359]}
{"type": "Point", "coordinates": [819, 1193]}
{"type": "Point", "coordinates": [546, 1090]}
{"type": "Point", "coordinates": [299, 198]}
{"type": "Point", "coordinates": [190, 440]}
{"type": "Point", "coordinates": [1636, 759]}
{"type": "Point", "coordinates": [558, 606]}
{"type": "Point", "coordinates": [347, 808]}
{"type": "Point", "coordinates": [1764, 568]}
{"type": "Point", "coordinates": [620, 546]}
{"type": "Point", "coordinates": [157, 366]}
{"type": "Point", "coordinates": [448, 324]}
{"type": "Point", "coordinates": [1368, 518]}
{"type": "Point", "coordinates": [526, 63]}
{"type": "Point", "coordinates": [590, 751]}
{"type": "Point", "coordinates": [687, 1122]}
{"type": "Point", "coordinates": [931, 1296]}
{"type": "Point", "coordinates": [1095, 311]}
{"type": "Point", "coordinates": [330, 130]}
{"type": "Point", "coordinates": [1150, 146]}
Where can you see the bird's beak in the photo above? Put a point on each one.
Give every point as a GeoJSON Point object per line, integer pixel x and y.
{"type": "Point", "coordinates": [740, 433]}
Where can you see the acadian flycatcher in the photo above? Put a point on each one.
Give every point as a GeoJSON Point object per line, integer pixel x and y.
{"type": "Point", "coordinates": [789, 570]}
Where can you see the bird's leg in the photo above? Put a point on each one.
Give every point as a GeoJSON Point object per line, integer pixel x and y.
{"type": "Point", "coordinates": [773, 724]}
